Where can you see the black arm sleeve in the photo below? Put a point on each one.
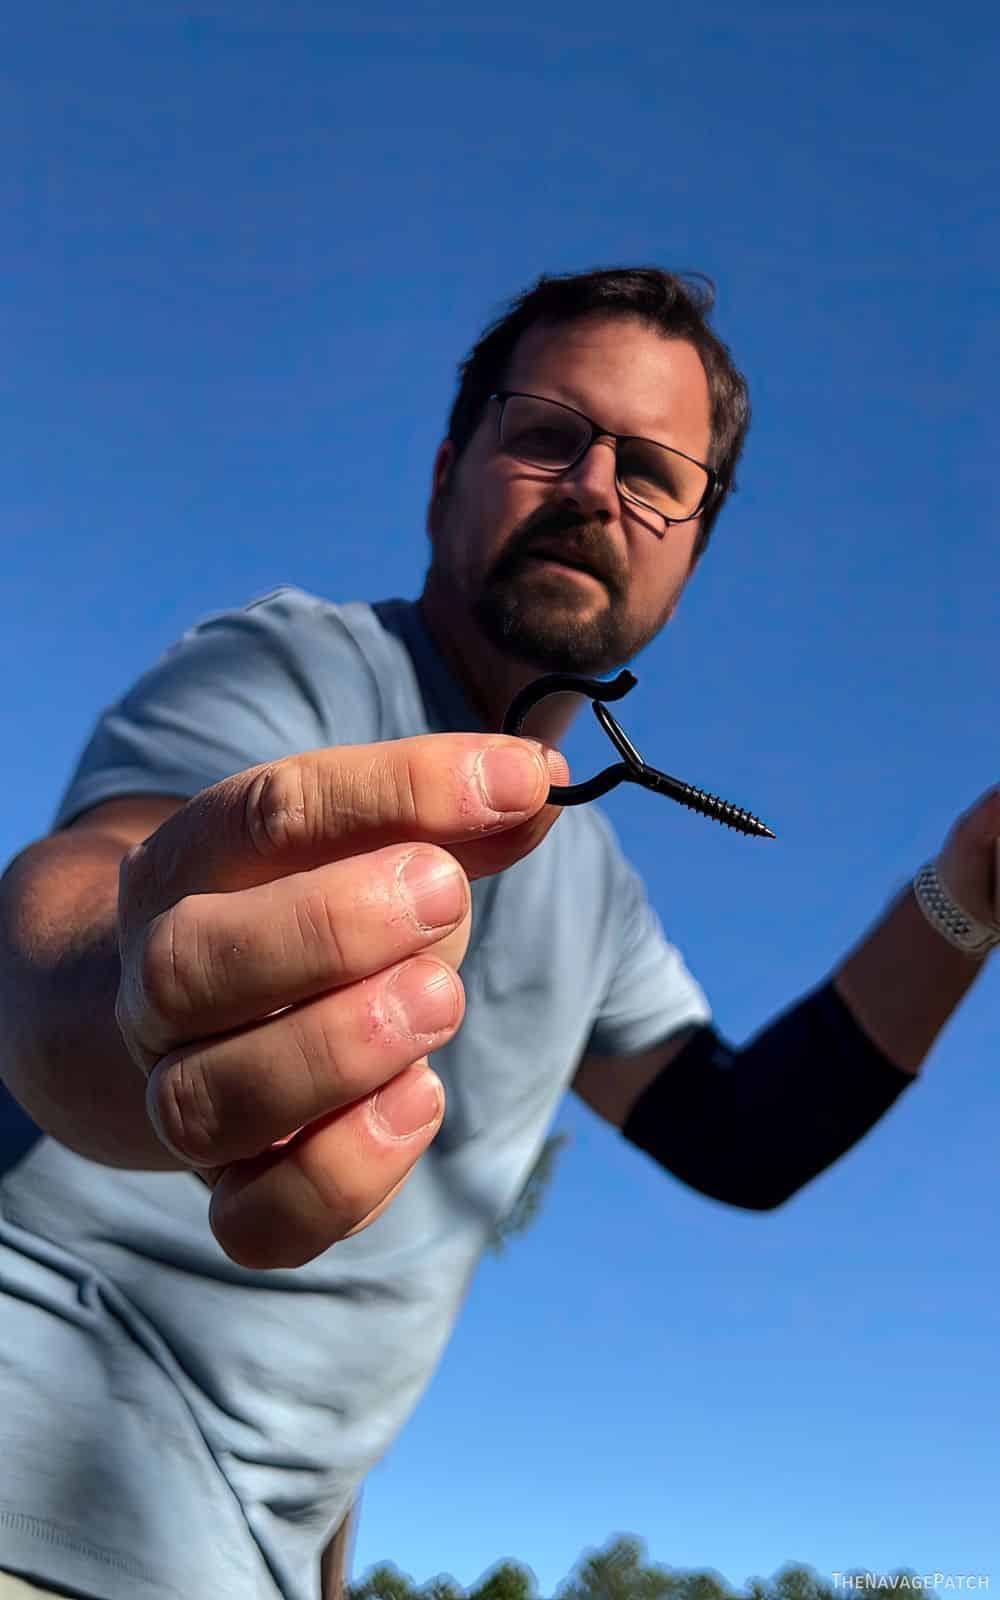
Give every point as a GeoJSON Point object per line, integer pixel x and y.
{"type": "Point", "coordinates": [751, 1126]}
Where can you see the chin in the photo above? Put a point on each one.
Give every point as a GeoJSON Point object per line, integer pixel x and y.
{"type": "Point", "coordinates": [548, 649]}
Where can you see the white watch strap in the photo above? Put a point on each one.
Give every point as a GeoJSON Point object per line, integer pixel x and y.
{"type": "Point", "coordinates": [948, 918]}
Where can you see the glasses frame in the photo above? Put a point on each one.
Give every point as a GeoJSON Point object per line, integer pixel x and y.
{"type": "Point", "coordinates": [712, 488]}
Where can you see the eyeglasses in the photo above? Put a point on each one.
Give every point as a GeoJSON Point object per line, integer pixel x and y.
{"type": "Point", "coordinates": [547, 434]}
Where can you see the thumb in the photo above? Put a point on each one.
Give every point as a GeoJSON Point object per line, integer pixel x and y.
{"type": "Point", "coordinates": [558, 766]}
{"type": "Point", "coordinates": [495, 851]}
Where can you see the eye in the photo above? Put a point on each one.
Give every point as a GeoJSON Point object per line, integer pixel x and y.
{"type": "Point", "coordinates": [550, 443]}
{"type": "Point", "coordinates": [655, 471]}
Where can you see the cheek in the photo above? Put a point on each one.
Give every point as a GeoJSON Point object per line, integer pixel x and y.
{"type": "Point", "coordinates": [657, 589]}
{"type": "Point", "coordinates": [507, 498]}
{"type": "Point", "coordinates": [499, 510]}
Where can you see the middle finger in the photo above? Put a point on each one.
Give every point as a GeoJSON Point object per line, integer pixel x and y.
{"type": "Point", "coordinates": [231, 1098]}
{"type": "Point", "coordinates": [218, 961]}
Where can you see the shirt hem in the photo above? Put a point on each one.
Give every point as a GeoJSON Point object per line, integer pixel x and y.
{"type": "Point", "coordinates": [42, 1552]}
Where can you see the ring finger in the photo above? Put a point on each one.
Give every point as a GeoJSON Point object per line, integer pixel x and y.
{"type": "Point", "coordinates": [232, 1097]}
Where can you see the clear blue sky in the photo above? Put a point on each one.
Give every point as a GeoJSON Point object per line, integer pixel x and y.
{"type": "Point", "coordinates": [245, 247]}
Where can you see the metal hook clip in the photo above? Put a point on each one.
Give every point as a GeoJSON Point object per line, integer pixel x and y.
{"type": "Point", "coordinates": [633, 769]}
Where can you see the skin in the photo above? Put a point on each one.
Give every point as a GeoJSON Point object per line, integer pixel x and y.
{"type": "Point", "coordinates": [500, 619]}
{"type": "Point", "coordinates": [248, 936]}
{"type": "Point", "coordinates": [254, 934]}
{"type": "Point", "coordinates": [498, 622]}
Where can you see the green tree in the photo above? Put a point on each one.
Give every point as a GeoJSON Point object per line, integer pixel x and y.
{"type": "Point", "coordinates": [621, 1572]}
{"type": "Point", "coordinates": [704, 1586]}
{"type": "Point", "coordinates": [794, 1582]}
{"type": "Point", "coordinates": [442, 1587]}
{"type": "Point", "coordinates": [509, 1580]}
{"type": "Point", "coordinates": [384, 1582]}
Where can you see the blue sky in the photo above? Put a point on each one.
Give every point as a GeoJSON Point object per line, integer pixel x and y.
{"type": "Point", "coordinates": [245, 249]}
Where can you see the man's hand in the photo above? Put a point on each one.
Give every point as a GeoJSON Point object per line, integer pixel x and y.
{"type": "Point", "coordinates": [969, 863]}
{"type": "Point", "coordinates": [283, 981]}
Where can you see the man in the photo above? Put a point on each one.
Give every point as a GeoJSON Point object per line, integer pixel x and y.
{"type": "Point", "coordinates": [192, 1387]}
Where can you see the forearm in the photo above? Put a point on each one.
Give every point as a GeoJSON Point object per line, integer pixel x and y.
{"type": "Point", "coordinates": [61, 1054]}
{"type": "Point", "coordinates": [902, 981]}
{"type": "Point", "coordinates": [751, 1126]}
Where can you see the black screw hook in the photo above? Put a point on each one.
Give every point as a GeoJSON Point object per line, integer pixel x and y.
{"type": "Point", "coordinates": [633, 769]}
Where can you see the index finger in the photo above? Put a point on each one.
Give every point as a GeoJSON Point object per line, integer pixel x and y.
{"type": "Point", "coordinates": [323, 805]}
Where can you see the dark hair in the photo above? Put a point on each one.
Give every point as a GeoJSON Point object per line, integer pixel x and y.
{"type": "Point", "coordinates": [664, 300]}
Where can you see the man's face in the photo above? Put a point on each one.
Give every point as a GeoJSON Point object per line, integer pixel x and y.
{"type": "Point", "coordinates": [630, 379]}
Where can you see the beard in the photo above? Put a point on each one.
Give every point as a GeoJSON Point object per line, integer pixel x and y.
{"type": "Point", "coordinates": [541, 617]}
{"type": "Point", "coordinates": [548, 619]}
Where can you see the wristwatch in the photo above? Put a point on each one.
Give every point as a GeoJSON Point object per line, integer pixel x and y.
{"type": "Point", "coordinates": [954, 924]}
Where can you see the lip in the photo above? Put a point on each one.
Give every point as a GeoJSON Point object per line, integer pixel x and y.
{"type": "Point", "coordinates": [543, 557]}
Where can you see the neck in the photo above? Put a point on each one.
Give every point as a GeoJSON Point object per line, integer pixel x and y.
{"type": "Point", "coordinates": [491, 680]}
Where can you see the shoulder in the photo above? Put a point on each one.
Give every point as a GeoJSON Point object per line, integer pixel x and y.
{"type": "Point", "coordinates": [321, 654]}
{"type": "Point", "coordinates": [285, 672]}
{"type": "Point", "coordinates": [294, 616]}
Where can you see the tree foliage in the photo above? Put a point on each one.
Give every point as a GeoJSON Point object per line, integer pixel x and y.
{"type": "Point", "coordinates": [619, 1571]}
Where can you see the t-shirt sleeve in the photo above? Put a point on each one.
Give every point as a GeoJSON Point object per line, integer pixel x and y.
{"type": "Point", "coordinates": [651, 994]}
{"type": "Point", "coordinates": [241, 687]}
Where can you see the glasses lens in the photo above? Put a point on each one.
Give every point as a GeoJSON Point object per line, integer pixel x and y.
{"type": "Point", "coordinates": [661, 478]}
{"type": "Point", "coordinates": [541, 432]}
{"type": "Point", "coordinates": [546, 434]}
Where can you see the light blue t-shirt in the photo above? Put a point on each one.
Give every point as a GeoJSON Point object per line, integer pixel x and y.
{"type": "Point", "coordinates": [174, 1426]}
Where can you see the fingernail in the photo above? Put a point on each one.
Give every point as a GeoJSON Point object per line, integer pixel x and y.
{"type": "Point", "coordinates": [434, 888]}
{"type": "Point", "coordinates": [408, 1103]}
{"type": "Point", "coordinates": [555, 761]}
{"type": "Point", "coordinates": [508, 778]}
{"type": "Point", "coordinates": [425, 995]}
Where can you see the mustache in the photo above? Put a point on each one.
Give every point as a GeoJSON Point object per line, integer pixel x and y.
{"type": "Point", "coordinates": [572, 542]}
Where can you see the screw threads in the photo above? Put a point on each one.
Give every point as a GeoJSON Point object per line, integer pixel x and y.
{"type": "Point", "coordinates": [710, 805]}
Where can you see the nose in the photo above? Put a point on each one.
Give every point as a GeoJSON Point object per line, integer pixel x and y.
{"type": "Point", "coordinates": [591, 482]}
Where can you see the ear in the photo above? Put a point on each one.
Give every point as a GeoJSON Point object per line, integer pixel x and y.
{"type": "Point", "coordinates": [440, 482]}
